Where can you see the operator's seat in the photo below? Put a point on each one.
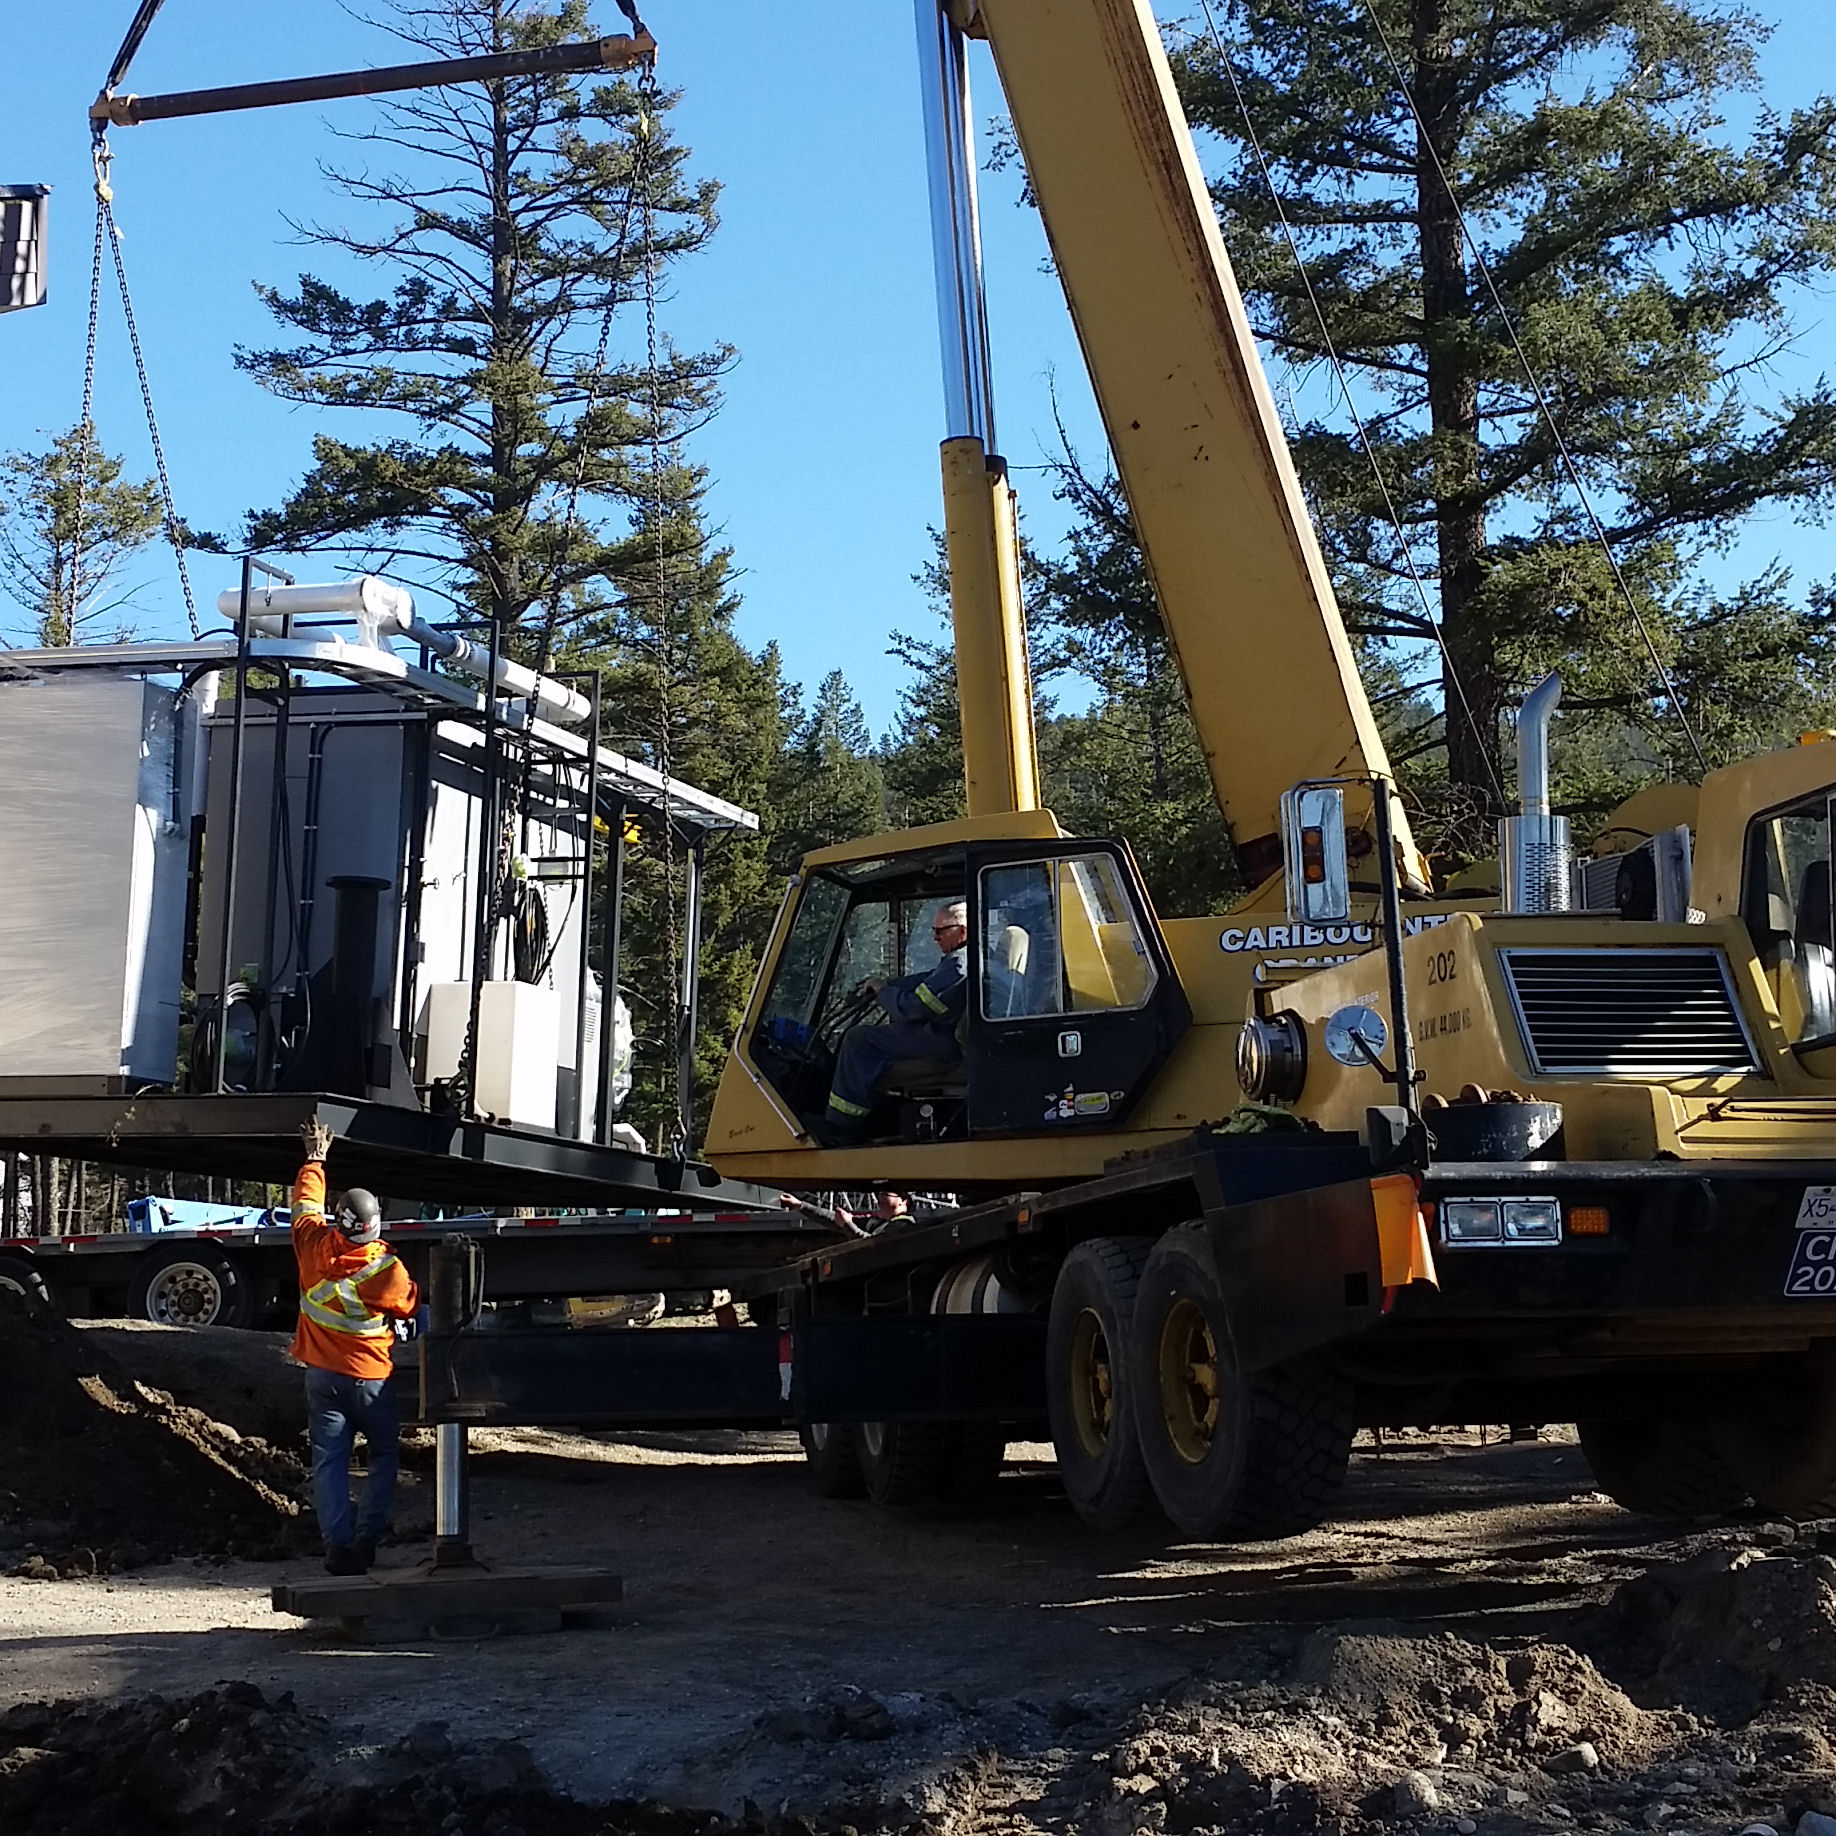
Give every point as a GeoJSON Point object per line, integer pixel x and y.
{"type": "Point", "coordinates": [928, 1078]}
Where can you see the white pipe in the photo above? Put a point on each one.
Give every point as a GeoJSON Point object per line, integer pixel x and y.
{"type": "Point", "coordinates": [379, 608]}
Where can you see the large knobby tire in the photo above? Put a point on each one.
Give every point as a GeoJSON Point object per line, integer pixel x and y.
{"type": "Point", "coordinates": [905, 1463]}
{"type": "Point", "coordinates": [1659, 1464]}
{"type": "Point", "coordinates": [1087, 1397]}
{"type": "Point", "coordinates": [832, 1460]}
{"type": "Point", "coordinates": [1229, 1453]}
{"type": "Point", "coordinates": [1777, 1436]}
{"type": "Point", "coordinates": [191, 1284]}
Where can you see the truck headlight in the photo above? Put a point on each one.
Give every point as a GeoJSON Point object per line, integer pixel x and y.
{"type": "Point", "coordinates": [1536, 1220]}
{"type": "Point", "coordinates": [1468, 1221]}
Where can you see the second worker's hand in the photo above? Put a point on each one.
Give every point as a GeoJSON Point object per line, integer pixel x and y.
{"type": "Point", "coordinates": [317, 1137]}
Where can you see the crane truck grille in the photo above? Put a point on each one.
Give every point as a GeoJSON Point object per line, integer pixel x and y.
{"type": "Point", "coordinates": [1628, 1013]}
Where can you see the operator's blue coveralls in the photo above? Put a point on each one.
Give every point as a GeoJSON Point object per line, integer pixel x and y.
{"type": "Point", "coordinates": [922, 1014]}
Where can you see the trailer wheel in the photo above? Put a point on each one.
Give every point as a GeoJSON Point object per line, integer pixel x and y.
{"type": "Point", "coordinates": [1094, 1429]}
{"type": "Point", "coordinates": [904, 1463]}
{"type": "Point", "coordinates": [18, 1276]}
{"type": "Point", "coordinates": [191, 1284]}
{"type": "Point", "coordinates": [1229, 1453]}
{"type": "Point", "coordinates": [1660, 1465]}
{"type": "Point", "coordinates": [833, 1460]}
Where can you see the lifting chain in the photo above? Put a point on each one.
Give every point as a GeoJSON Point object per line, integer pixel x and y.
{"type": "Point", "coordinates": [109, 232]}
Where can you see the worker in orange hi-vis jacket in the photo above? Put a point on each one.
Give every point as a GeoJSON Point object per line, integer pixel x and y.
{"type": "Point", "coordinates": [352, 1291]}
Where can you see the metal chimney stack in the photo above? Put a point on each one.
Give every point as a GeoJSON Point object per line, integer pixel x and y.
{"type": "Point", "coordinates": [1533, 849]}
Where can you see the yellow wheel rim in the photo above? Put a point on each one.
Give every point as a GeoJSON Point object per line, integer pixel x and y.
{"type": "Point", "coordinates": [1092, 1384]}
{"type": "Point", "coordinates": [1189, 1381]}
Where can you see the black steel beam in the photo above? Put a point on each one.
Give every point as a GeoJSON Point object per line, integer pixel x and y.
{"type": "Point", "coordinates": [682, 1377]}
{"type": "Point", "coordinates": [405, 1154]}
{"type": "Point", "coordinates": [594, 54]}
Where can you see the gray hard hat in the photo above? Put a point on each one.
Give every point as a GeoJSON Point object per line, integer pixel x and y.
{"type": "Point", "coordinates": [359, 1215]}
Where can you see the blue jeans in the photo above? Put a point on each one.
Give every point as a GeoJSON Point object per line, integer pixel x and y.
{"type": "Point", "coordinates": [868, 1051]}
{"type": "Point", "coordinates": [338, 1409]}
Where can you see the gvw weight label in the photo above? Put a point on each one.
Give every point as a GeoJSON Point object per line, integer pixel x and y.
{"type": "Point", "coordinates": [1813, 1261]}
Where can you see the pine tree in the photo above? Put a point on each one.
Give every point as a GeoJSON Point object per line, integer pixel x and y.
{"type": "Point", "coordinates": [830, 787]}
{"type": "Point", "coordinates": [1131, 765]}
{"type": "Point", "coordinates": [1646, 259]}
{"type": "Point", "coordinates": [69, 524]}
{"type": "Point", "coordinates": [517, 232]}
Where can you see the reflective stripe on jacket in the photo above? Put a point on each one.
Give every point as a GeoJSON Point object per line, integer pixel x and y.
{"type": "Point", "coordinates": [933, 998]}
{"type": "Point", "coordinates": [349, 1292]}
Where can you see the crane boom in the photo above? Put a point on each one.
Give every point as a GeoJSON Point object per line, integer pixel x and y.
{"type": "Point", "coordinates": [1243, 589]}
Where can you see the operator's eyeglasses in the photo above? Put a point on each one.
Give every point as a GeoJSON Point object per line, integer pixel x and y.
{"type": "Point", "coordinates": [944, 930]}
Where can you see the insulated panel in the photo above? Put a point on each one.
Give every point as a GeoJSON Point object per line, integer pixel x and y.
{"type": "Point", "coordinates": [93, 834]}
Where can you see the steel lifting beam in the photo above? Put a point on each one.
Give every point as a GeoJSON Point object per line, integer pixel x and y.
{"type": "Point", "coordinates": [594, 54]}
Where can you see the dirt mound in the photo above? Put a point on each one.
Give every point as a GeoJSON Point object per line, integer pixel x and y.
{"type": "Point", "coordinates": [243, 1378]}
{"type": "Point", "coordinates": [1375, 1724]}
{"type": "Point", "coordinates": [99, 1472]}
{"type": "Point", "coordinates": [1734, 1628]}
{"type": "Point", "coordinates": [231, 1758]}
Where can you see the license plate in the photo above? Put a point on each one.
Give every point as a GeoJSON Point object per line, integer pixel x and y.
{"type": "Point", "coordinates": [1812, 1275]}
{"type": "Point", "coordinates": [1817, 1208]}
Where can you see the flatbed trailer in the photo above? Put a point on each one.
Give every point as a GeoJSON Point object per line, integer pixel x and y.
{"type": "Point", "coordinates": [1354, 1287]}
{"type": "Point", "coordinates": [244, 1274]}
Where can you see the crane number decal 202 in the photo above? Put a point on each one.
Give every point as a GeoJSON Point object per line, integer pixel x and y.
{"type": "Point", "coordinates": [1812, 1275]}
{"type": "Point", "coordinates": [1443, 966]}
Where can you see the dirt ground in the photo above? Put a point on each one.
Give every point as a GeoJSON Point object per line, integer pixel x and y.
{"type": "Point", "coordinates": [1480, 1644]}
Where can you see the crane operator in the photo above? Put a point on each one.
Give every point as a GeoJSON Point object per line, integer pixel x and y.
{"type": "Point", "coordinates": [922, 1011]}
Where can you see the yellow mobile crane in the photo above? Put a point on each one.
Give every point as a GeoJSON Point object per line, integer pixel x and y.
{"type": "Point", "coordinates": [1541, 1164]}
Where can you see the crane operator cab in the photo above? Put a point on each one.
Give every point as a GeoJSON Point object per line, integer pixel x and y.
{"type": "Point", "coordinates": [964, 990]}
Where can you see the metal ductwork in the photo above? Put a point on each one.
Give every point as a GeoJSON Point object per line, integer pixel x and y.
{"type": "Point", "coordinates": [380, 610]}
{"type": "Point", "coordinates": [1533, 846]}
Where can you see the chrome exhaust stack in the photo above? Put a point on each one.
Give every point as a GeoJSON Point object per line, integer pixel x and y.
{"type": "Point", "coordinates": [1534, 858]}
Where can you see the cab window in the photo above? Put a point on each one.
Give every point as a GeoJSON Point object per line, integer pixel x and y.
{"type": "Point", "coordinates": [790, 1002]}
{"type": "Point", "coordinates": [1787, 908]}
{"type": "Point", "coordinates": [1060, 937]}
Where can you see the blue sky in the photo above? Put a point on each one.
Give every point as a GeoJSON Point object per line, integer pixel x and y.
{"type": "Point", "coordinates": [823, 461]}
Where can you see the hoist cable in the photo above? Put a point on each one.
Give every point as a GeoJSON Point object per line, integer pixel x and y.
{"type": "Point", "coordinates": [130, 45]}
{"type": "Point", "coordinates": [1434, 625]}
{"type": "Point", "coordinates": [1536, 388]}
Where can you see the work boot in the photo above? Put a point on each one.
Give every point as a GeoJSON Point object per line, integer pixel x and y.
{"type": "Point", "coordinates": [366, 1554]}
{"type": "Point", "coordinates": [341, 1559]}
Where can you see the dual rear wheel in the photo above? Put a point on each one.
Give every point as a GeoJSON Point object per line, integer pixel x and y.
{"type": "Point", "coordinates": [1149, 1401]}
